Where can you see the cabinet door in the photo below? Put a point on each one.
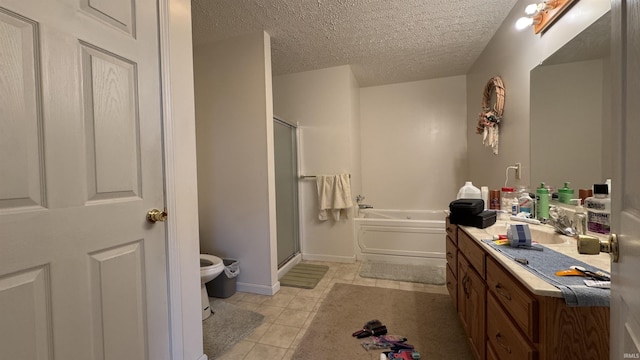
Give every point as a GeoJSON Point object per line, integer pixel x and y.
{"type": "Point", "coordinates": [471, 306]}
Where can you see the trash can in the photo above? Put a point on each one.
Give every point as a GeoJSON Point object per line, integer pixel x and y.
{"type": "Point", "coordinates": [225, 284]}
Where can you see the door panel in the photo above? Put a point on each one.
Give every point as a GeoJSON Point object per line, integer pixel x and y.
{"type": "Point", "coordinates": [111, 121]}
{"type": "Point", "coordinates": [81, 270]}
{"type": "Point", "coordinates": [20, 136]}
{"type": "Point", "coordinates": [625, 302]}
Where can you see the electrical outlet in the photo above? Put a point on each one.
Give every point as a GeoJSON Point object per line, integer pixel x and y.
{"type": "Point", "coordinates": [518, 171]}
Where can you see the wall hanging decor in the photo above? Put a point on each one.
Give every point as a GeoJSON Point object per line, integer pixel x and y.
{"type": "Point", "coordinates": [491, 116]}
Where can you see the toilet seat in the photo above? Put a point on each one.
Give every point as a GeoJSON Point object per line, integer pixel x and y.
{"type": "Point", "coordinates": [210, 264]}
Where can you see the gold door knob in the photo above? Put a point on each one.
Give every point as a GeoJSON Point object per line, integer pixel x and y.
{"type": "Point", "coordinates": [155, 215]}
{"type": "Point", "coordinates": [593, 245]}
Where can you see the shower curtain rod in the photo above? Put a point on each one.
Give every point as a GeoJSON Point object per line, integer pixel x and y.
{"type": "Point", "coordinates": [302, 177]}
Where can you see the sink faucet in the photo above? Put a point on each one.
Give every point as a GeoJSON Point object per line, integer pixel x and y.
{"type": "Point", "coordinates": [560, 221]}
{"type": "Point", "coordinates": [359, 199]}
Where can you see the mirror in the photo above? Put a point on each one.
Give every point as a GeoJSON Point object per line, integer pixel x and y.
{"type": "Point", "coordinates": [570, 105]}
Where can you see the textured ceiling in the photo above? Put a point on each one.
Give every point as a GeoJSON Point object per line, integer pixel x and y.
{"type": "Point", "coordinates": [385, 41]}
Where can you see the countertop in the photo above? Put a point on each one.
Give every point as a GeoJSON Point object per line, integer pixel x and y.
{"type": "Point", "coordinates": [535, 284]}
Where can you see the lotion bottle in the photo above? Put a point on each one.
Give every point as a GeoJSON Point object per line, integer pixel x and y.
{"type": "Point", "coordinates": [580, 219]}
{"type": "Point", "coordinates": [542, 199]}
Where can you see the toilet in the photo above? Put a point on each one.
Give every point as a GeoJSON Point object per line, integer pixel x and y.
{"type": "Point", "coordinates": [210, 267]}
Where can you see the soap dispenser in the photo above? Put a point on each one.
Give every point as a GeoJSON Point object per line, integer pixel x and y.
{"type": "Point", "coordinates": [565, 194]}
{"type": "Point", "coordinates": [580, 219]}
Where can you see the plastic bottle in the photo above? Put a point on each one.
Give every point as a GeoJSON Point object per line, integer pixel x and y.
{"type": "Point", "coordinates": [515, 206]}
{"type": "Point", "coordinates": [525, 201]}
{"type": "Point", "coordinates": [506, 199]}
{"type": "Point", "coordinates": [494, 199]}
{"type": "Point", "coordinates": [599, 210]}
{"type": "Point", "coordinates": [580, 219]}
{"type": "Point", "coordinates": [468, 191]}
{"type": "Point", "coordinates": [565, 194]}
{"type": "Point", "coordinates": [542, 202]}
{"type": "Point", "coordinates": [484, 193]}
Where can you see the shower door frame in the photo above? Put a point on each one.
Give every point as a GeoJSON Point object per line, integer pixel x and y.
{"type": "Point", "coordinates": [296, 199]}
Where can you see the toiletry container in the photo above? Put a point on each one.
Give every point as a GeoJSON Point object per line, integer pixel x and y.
{"type": "Point", "coordinates": [599, 210]}
{"type": "Point", "coordinates": [484, 193]}
{"type": "Point", "coordinates": [525, 202]}
{"type": "Point", "coordinates": [468, 191]}
{"type": "Point", "coordinates": [583, 194]}
{"type": "Point", "coordinates": [565, 194]}
{"type": "Point", "coordinates": [542, 202]}
{"type": "Point", "coordinates": [580, 219]}
{"type": "Point", "coordinates": [515, 206]}
{"type": "Point", "coordinates": [506, 201]}
{"type": "Point", "coordinates": [494, 199]}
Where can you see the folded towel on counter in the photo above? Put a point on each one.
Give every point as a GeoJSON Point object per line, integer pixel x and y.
{"type": "Point", "coordinates": [334, 195]}
{"type": "Point", "coordinates": [545, 263]}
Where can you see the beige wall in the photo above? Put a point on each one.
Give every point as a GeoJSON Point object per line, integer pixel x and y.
{"type": "Point", "coordinates": [324, 104]}
{"type": "Point", "coordinates": [512, 54]}
{"type": "Point", "coordinates": [234, 124]}
{"type": "Point", "coordinates": [414, 152]}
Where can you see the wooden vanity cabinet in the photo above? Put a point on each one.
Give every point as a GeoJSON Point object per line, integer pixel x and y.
{"type": "Point", "coordinates": [504, 320]}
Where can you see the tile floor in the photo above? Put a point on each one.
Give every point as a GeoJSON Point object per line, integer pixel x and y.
{"type": "Point", "coordinates": [289, 312]}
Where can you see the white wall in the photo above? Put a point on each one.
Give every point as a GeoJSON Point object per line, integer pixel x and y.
{"type": "Point", "coordinates": [324, 103]}
{"type": "Point", "coordinates": [414, 152]}
{"type": "Point", "coordinates": [234, 123]}
{"type": "Point", "coordinates": [512, 54]}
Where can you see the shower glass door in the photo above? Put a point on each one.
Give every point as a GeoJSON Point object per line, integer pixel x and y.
{"type": "Point", "coordinates": [286, 168]}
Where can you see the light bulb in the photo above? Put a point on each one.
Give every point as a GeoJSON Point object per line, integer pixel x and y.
{"type": "Point", "coordinates": [523, 23]}
{"type": "Point", "coordinates": [531, 9]}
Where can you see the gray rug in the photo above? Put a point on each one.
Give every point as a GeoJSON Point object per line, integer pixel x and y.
{"type": "Point", "coordinates": [226, 326]}
{"type": "Point", "coordinates": [424, 274]}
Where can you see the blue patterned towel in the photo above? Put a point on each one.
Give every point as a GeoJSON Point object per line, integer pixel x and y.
{"type": "Point", "coordinates": [545, 263]}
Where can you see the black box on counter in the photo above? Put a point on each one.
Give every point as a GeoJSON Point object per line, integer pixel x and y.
{"type": "Point", "coordinates": [466, 206]}
{"type": "Point", "coordinates": [482, 220]}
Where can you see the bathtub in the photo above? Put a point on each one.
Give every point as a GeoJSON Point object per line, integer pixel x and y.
{"type": "Point", "coordinates": [405, 236]}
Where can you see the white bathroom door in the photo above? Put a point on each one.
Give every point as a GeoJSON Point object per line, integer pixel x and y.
{"type": "Point", "coordinates": [82, 273]}
{"type": "Point", "coordinates": [625, 291]}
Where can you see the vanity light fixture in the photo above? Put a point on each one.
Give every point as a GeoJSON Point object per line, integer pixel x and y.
{"type": "Point", "coordinates": [542, 15]}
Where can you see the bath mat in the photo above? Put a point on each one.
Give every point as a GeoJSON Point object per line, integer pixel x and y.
{"type": "Point", "coordinates": [304, 276]}
{"type": "Point", "coordinates": [428, 321]}
{"type": "Point", "coordinates": [425, 274]}
{"type": "Point", "coordinates": [226, 326]}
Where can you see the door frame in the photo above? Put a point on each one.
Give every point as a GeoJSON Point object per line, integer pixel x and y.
{"type": "Point", "coordinates": [181, 200]}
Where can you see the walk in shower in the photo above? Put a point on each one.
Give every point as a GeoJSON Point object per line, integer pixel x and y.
{"type": "Point", "coordinates": [286, 169]}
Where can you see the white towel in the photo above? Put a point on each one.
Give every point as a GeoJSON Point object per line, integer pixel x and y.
{"type": "Point", "coordinates": [334, 195]}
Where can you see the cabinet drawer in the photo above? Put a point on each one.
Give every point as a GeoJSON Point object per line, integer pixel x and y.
{"type": "Point", "coordinates": [504, 337]}
{"type": "Point", "coordinates": [452, 286]}
{"type": "Point", "coordinates": [473, 252]}
{"type": "Point", "coordinates": [452, 256]}
{"type": "Point", "coordinates": [452, 231]}
{"type": "Point", "coordinates": [517, 301]}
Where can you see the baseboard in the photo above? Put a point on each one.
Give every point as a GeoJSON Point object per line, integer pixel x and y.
{"type": "Point", "coordinates": [329, 258]}
{"type": "Point", "coordinates": [258, 289]}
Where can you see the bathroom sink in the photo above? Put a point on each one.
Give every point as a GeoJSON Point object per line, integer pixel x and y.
{"type": "Point", "coordinates": [542, 234]}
